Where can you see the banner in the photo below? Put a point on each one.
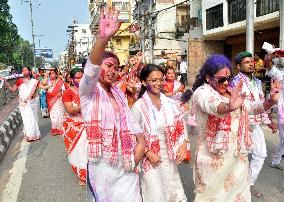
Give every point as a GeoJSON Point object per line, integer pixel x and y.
{"type": "Point", "coordinates": [43, 52]}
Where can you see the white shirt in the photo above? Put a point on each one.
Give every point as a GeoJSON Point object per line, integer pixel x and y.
{"type": "Point", "coordinates": [183, 67]}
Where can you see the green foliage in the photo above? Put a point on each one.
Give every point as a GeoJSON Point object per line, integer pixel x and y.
{"type": "Point", "coordinates": [13, 49]}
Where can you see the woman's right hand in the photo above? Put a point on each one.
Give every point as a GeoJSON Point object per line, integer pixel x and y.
{"type": "Point", "coordinates": [275, 87]}
{"type": "Point", "coordinates": [154, 158]}
{"type": "Point", "coordinates": [237, 97]}
{"type": "Point", "coordinates": [109, 23]}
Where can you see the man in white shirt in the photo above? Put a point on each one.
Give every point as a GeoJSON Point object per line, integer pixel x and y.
{"type": "Point", "coordinates": [183, 71]}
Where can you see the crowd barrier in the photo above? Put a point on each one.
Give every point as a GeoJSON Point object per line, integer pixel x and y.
{"type": "Point", "coordinates": [5, 94]}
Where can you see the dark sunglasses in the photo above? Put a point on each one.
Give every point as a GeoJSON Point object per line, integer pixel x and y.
{"type": "Point", "coordinates": [222, 80]}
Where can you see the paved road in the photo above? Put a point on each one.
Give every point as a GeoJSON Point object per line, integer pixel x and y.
{"type": "Point", "coordinates": [39, 172]}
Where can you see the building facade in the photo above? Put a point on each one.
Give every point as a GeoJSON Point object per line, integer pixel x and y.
{"type": "Point", "coordinates": [166, 30]}
{"type": "Point", "coordinates": [119, 43]}
{"type": "Point", "coordinates": [222, 29]}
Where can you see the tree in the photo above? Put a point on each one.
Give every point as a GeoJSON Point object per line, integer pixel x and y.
{"type": "Point", "coordinates": [8, 35]}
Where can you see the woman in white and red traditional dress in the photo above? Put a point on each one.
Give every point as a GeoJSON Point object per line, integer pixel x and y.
{"type": "Point", "coordinates": [28, 104]}
{"type": "Point", "coordinates": [115, 140]}
{"type": "Point", "coordinates": [55, 87]}
{"type": "Point", "coordinates": [172, 87]}
{"type": "Point", "coordinates": [75, 137]}
{"type": "Point", "coordinates": [221, 164]}
{"type": "Point", "coordinates": [166, 139]}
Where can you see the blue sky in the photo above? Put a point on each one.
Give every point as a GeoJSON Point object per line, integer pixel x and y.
{"type": "Point", "coordinates": [51, 19]}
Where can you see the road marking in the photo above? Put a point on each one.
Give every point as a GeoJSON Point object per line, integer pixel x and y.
{"type": "Point", "coordinates": [12, 188]}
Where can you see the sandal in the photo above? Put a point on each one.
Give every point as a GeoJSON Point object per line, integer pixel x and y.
{"type": "Point", "coordinates": [255, 193]}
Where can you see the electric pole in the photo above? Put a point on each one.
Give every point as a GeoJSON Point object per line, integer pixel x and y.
{"type": "Point", "coordinates": [38, 39]}
{"type": "Point", "coordinates": [151, 42]}
{"type": "Point", "coordinates": [281, 15]}
{"type": "Point", "coordinates": [32, 23]}
{"type": "Point", "coordinates": [33, 37]}
{"type": "Point", "coordinates": [250, 26]}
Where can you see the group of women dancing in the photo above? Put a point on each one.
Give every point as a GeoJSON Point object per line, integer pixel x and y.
{"type": "Point", "coordinates": [125, 138]}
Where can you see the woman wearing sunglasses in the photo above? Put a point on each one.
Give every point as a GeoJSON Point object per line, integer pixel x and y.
{"type": "Point", "coordinates": [221, 164]}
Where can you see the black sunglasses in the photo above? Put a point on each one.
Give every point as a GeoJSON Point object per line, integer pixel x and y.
{"type": "Point", "coordinates": [222, 80]}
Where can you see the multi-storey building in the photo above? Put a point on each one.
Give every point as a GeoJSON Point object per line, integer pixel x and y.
{"type": "Point", "coordinates": [119, 43]}
{"type": "Point", "coordinates": [169, 24]}
{"type": "Point", "coordinates": [83, 38]}
{"type": "Point", "coordinates": [221, 28]}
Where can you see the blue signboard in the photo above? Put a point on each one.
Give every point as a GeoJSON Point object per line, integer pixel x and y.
{"type": "Point", "coordinates": [43, 52]}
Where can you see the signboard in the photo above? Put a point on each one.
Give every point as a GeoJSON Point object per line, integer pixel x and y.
{"type": "Point", "coordinates": [134, 28]}
{"type": "Point", "coordinates": [43, 52]}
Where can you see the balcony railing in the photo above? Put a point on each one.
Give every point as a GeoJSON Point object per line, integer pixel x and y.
{"type": "Point", "coordinates": [236, 11]}
{"type": "Point", "coordinates": [214, 17]}
{"type": "Point", "coordinates": [264, 7]}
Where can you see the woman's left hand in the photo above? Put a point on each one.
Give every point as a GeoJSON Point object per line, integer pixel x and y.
{"type": "Point", "coordinates": [139, 152]}
{"type": "Point", "coordinates": [181, 152]}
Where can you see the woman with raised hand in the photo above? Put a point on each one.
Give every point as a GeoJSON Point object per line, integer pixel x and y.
{"type": "Point", "coordinates": [221, 170]}
{"type": "Point", "coordinates": [115, 140]}
{"type": "Point", "coordinates": [28, 103]}
{"type": "Point", "coordinates": [166, 139]}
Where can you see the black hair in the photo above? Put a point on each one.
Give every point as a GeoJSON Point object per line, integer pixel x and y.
{"type": "Point", "coordinates": [30, 70]}
{"type": "Point", "coordinates": [108, 54]}
{"type": "Point", "coordinates": [145, 71]}
{"type": "Point", "coordinates": [75, 71]}
{"type": "Point", "coordinates": [84, 62]}
{"type": "Point", "coordinates": [168, 68]}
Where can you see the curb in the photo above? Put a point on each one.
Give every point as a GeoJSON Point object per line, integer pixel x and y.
{"type": "Point", "coordinates": [8, 130]}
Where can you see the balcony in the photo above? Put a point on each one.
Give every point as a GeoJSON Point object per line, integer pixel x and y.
{"type": "Point", "coordinates": [264, 7]}
{"type": "Point", "coordinates": [214, 17]}
{"type": "Point", "coordinates": [236, 11]}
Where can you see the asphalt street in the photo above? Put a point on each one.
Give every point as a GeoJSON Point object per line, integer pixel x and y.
{"type": "Point", "coordinates": [39, 172]}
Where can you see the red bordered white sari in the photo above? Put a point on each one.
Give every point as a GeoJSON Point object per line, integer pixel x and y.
{"type": "Point", "coordinates": [75, 139]}
{"type": "Point", "coordinates": [55, 107]}
{"type": "Point", "coordinates": [29, 108]}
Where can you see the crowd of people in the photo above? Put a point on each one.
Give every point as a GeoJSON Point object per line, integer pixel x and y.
{"type": "Point", "coordinates": [125, 127]}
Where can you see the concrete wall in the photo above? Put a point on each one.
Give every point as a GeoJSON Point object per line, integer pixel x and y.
{"type": "Point", "coordinates": [199, 50]}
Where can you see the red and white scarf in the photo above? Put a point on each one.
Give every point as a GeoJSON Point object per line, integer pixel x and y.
{"type": "Point", "coordinates": [174, 127]}
{"type": "Point", "coordinates": [55, 94]}
{"type": "Point", "coordinates": [26, 91]}
{"type": "Point", "coordinates": [218, 131]}
{"type": "Point", "coordinates": [103, 130]}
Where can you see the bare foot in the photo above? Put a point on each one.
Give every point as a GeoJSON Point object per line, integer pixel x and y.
{"type": "Point", "coordinates": [82, 183]}
{"type": "Point", "coordinates": [255, 193]}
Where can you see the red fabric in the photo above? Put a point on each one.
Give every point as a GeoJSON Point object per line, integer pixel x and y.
{"type": "Point", "coordinates": [19, 82]}
{"type": "Point", "coordinates": [53, 96]}
{"type": "Point", "coordinates": [69, 96]}
{"type": "Point", "coordinates": [169, 87]}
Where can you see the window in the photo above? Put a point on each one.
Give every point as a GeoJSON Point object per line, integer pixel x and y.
{"type": "Point", "coordinates": [121, 6]}
{"type": "Point", "coordinates": [236, 11]}
{"type": "Point", "coordinates": [118, 42]}
{"type": "Point", "coordinates": [214, 17]}
{"type": "Point", "coordinates": [84, 31]}
{"type": "Point", "coordinates": [264, 7]}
